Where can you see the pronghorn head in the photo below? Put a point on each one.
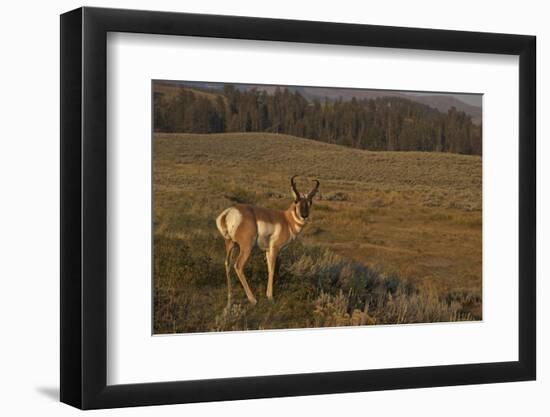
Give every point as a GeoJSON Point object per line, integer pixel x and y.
{"type": "Point", "coordinates": [302, 203]}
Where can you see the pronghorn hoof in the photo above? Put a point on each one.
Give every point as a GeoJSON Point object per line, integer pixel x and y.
{"type": "Point", "coordinates": [270, 298]}
{"type": "Point", "coordinates": [253, 301]}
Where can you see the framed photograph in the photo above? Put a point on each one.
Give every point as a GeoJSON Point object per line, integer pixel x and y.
{"type": "Point", "coordinates": [256, 208]}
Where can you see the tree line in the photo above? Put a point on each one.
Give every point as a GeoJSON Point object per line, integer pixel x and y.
{"type": "Point", "coordinates": [384, 123]}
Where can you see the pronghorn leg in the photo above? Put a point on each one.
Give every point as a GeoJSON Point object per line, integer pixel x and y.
{"type": "Point", "coordinates": [271, 257]}
{"type": "Point", "coordinates": [229, 246]}
{"type": "Point", "coordinates": [244, 254]}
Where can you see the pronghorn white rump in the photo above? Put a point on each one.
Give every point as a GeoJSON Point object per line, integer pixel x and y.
{"type": "Point", "coordinates": [228, 222]}
{"type": "Point", "coordinates": [270, 230]}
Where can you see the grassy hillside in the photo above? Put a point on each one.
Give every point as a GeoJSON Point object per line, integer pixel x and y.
{"type": "Point", "coordinates": [403, 225]}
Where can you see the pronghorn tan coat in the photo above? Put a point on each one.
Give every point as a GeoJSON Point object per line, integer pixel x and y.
{"type": "Point", "coordinates": [268, 229]}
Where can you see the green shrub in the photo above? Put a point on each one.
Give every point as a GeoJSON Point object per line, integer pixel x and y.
{"type": "Point", "coordinates": [314, 287]}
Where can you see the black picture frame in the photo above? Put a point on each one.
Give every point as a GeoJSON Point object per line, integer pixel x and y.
{"type": "Point", "coordinates": [84, 207]}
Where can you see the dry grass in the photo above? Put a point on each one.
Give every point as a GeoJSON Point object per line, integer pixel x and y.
{"type": "Point", "coordinates": [416, 216]}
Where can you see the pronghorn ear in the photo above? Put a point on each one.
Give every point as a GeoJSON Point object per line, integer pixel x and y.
{"type": "Point", "coordinates": [295, 196]}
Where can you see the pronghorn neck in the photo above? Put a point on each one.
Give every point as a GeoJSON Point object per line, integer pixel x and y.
{"type": "Point", "coordinates": [295, 223]}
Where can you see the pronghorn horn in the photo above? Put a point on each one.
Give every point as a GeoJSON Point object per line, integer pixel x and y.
{"type": "Point", "coordinates": [294, 189]}
{"type": "Point", "coordinates": [314, 191]}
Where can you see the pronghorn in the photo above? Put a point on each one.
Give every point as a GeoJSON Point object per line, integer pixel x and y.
{"type": "Point", "coordinates": [271, 230]}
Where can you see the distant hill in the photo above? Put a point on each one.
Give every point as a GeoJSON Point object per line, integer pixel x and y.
{"type": "Point", "coordinates": [441, 102]}
{"type": "Point", "coordinates": [378, 120]}
{"type": "Point", "coordinates": [171, 90]}
{"type": "Point", "coordinates": [438, 101]}
{"type": "Point", "coordinates": [444, 103]}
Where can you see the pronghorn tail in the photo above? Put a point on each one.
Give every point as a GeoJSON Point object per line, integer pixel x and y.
{"type": "Point", "coordinates": [222, 225]}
